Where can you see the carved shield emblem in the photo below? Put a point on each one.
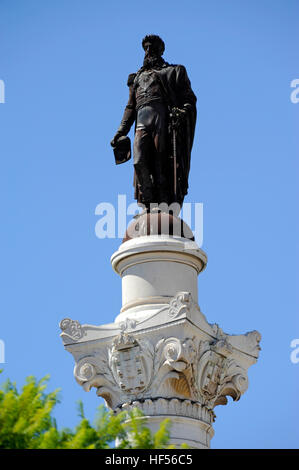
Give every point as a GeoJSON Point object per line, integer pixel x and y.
{"type": "Point", "coordinates": [130, 370]}
{"type": "Point", "coordinates": [131, 363]}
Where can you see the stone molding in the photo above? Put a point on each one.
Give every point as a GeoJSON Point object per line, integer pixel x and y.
{"type": "Point", "coordinates": [170, 407]}
{"type": "Point", "coordinates": [158, 248]}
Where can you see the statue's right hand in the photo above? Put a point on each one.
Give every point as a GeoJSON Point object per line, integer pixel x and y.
{"type": "Point", "coordinates": [115, 139]}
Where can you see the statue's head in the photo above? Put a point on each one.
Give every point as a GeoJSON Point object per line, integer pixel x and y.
{"type": "Point", "coordinates": [153, 46]}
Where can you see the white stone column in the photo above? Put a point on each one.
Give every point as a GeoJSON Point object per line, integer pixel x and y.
{"type": "Point", "coordinates": [160, 354]}
{"type": "Point", "coordinates": [153, 270]}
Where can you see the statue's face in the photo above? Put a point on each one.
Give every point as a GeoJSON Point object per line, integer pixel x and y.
{"type": "Point", "coordinates": [151, 49]}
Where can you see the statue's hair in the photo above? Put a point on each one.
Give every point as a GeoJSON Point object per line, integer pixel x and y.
{"type": "Point", "coordinates": [156, 40]}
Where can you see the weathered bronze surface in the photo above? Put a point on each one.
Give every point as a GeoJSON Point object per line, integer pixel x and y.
{"type": "Point", "coordinates": [163, 107]}
{"type": "Point", "coordinates": [158, 223]}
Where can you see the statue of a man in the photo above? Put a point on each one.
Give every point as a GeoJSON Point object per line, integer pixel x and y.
{"type": "Point", "coordinates": [163, 107]}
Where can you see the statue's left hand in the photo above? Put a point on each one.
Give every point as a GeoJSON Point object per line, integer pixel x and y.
{"type": "Point", "coordinates": [178, 115]}
{"type": "Point", "coordinates": [181, 112]}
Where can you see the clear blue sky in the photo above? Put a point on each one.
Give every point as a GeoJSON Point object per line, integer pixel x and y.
{"type": "Point", "coordinates": [65, 65]}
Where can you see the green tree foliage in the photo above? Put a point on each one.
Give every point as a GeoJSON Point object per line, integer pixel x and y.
{"type": "Point", "coordinates": [26, 422]}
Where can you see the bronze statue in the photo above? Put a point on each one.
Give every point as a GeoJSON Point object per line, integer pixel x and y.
{"type": "Point", "coordinates": [163, 107]}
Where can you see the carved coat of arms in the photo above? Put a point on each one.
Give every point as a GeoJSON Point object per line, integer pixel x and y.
{"type": "Point", "coordinates": [131, 363]}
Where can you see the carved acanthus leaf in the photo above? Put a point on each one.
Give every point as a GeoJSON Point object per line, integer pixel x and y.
{"type": "Point", "coordinates": [174, 367]}
{"type": "Point", "coordinates": [180, 304]}
{"type": "Point", "coordinates": [128, 324]}
{"type": "Point", "coordinates": [72, 328]}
